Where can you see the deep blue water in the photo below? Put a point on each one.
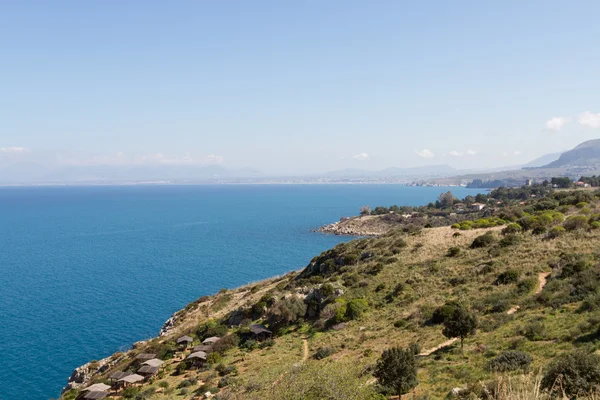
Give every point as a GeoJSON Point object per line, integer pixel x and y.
{"type": "Point", "coordinates": [86, 271]}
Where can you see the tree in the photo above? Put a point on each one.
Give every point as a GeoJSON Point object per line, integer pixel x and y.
{"type": "Point", "coordinates": [397, 369]}
{"type": "Point", "coordinates": [561, 182]}
{"type": "Point", "coordinates": [365, 210]}
{"type": "Point", "coordinates": [461, 323]}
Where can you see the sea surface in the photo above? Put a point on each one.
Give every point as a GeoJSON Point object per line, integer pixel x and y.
{"type": "Point", "coordinates": [87, 271]}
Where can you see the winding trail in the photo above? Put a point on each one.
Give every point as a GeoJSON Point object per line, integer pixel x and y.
{"type": "Point", "coordinates": [542, 280]}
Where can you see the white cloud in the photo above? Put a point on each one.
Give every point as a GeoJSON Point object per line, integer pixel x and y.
{"type": "Point", "coordinates": [361, 156]}
{"type": "Point", "coordinates": [556, 123]}
{"type": "Point", "coordinates": [468, 152]}
{"type": "Point", "coordinates": [455, 153]}
{"type": "Point", "coordinates": [517, 152]}
{"type": "Point", "coordinates": [14, 150]}
{"type": "Point", "coordinates": [425, 153]}
{"type": "Point", "coordinates": [590, 119]}
{"type": "Point", "coordinates": [471, 152]}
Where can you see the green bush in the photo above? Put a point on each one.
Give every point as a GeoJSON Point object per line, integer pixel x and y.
{"type": "Point", "coordinates": [510, 240]}
{"type": "Point", "coordinates": [575, 222]}
{"type": "Point", "coordinates": [453, 251]}
{"type": "Point", "coordinates": [510, 361]}
{"type": "Point", "coordinates": [512, 229]}
{"type": "Point", "coordinates": [224, 370]}
{"type": "Point", "coordinates": [533, 331]}
{"type": "Point", "coordinates": [555, 232]}
{"type": "Point", "coordinates": [324, 352]}
{"type": "Point", "coordinates": [226, 343]}
{"type": "Point", "coordinates": [356, 308]}
{"type": "Point", "coordinates": [484, 240]}
{"type": "Point", "coordinates": [508, 277]}
{"type": "Point", "coordinates": [578, 373]}
{"type": "Point", "coordinates": [226, 381]}
{"type": "Point", "coordinates": [444, 312]}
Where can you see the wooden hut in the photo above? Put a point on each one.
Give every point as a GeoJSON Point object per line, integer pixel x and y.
{"type": "Point", "coordinates": [260, 332]}
{"type": "Point", "coordinates": [185, 341]}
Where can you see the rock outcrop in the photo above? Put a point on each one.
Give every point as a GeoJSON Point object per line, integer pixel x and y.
{"type": "Point", "coordinates": [81, 376]}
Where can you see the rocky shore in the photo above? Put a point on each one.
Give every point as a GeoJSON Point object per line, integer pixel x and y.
{"type": "Point", "coordinates": [369, 225]}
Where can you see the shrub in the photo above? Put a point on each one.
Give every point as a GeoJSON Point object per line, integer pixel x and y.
{"type": "Point", "coordinates": [533, 331]}
{"type": "Point", "coordinates": [226, 381]}
{"type": "Point", "coordinates": [461, 323]}
{"type": "Point", "coordinates": [512, 229]}
{"type": "Point", "coordinates": [576, 222]}
{"type": "Point", "coordinates": [484, 240]}
{"type": "Point", "coordinates": [356, 308]}
{"type": "Point", "coordinates": [187, 383]}
{"type": "Point", "coordinates": [508, 277]}
{"type": "Point", "coordinates": [453, 251]}
{"type": "Point", "coordinates": [526, 286]}
{"type": "Point", "coordinates": [267, 343]}
{"type": "Point", "coordinates": [324, 352]}
{"type": "Point", "coordinates": [249, 345]}
{"type": "Point", "coordinates": [578, 373]}
{"type": "Point", "coordinates": [510, 240]}
{"type": "Point", "coordinates": [223, 369]}
{"type": "Point", "coordinates": [226, 343]}
{"type": "Point", "coordinates": [510, 361]}
{"type": "Point", "coordinates": [444, 312]}
{"type": "Point", "coordinates": [556, 232]}
{"type": "Point", "coordinates": [285, 312]}
{"type": "Point", "coordinates": [212, 358]}
{"type": "Point", "coordinates": [401, 323]}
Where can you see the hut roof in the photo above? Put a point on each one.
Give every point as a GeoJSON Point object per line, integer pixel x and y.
{"type": "Point", "coordinates": [145, 356]}
{"type": "Point", "coordinates": [133, 378]}
{"type": "Point", "coordinates": [185, 339]}
{"type": "Point", "coordinates": [97, 387]}
{"type": "Point", "coordinates": [155, 362]}
{"type": "Point", "coordinates": [258, 329]}
{"type": "Point", "coordinates": [119, 374]}
{"type": "Point", "coordinates": [198, 354]}
{"type": "Point", "coordinates": [203, 347]}
{"type": "Point", "coordinates": [211, 340]}
{"type": "Point", "coordinates": [148, 369]}
{"type": "Point", "coordinates": [96, 394]}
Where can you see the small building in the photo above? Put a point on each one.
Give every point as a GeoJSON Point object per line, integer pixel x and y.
{"type": "Point", "coordinates": [97, 387]}
{"type": "Point", "coordinates": [185, 341]}
{"type": "Point", "coordinates": [131, 379]}
{"type": "Point", "coordinates": [477, 206]}
{"type": "Point", "coordinates": [211, 340]}
{"type": "Point", "coordinates": [145, 356]}
{"type": "Point", "coordinates": [155, 362]}
{"type": "Point", "coordinates": [582, 184]}
{"type": "Point", "coordinates": [198, 358]}
{"type": "Point", "coordinates": [260, 332]}
{"type": "Point", "coordinates": [117, 375]}
{"type": "Point", "coordinates": [203, 347]}
{"type": "Point", "coordinates": [147, 371]}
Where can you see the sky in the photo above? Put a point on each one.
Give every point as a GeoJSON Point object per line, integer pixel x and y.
{"type": "Point", "coordinates": [297, 87]}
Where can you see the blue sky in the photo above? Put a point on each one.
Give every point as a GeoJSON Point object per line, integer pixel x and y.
{"type": "Point", "coordinates": [297, 87]}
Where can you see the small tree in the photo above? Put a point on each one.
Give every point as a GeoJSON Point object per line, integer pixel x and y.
{"type": "Point", "coordinates": [460, 323]}
{"type": "Point", "coordinates": [365, 210]}
{"type": "Point", "coordinates": [397, 369]}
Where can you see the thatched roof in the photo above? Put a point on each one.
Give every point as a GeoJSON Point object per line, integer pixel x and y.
{"type": "Point", "coordinates": [257, 329]}
{"type": "Point", "coordinates": [198, 354]}
{"type": "Point", "coordinates": [133, 378]}
{"type": "Point", "coordinates": [185, 339]}
{"type": "Point", "coordinates": [155, 362]}
{"type": "Point", "coordinates": [97, 387]}
{"type": "Point", "coordinates": [145, 356]}
{"type": "Point", "coordinates": [211, 340]}
{"type": "Point", "coordinates": [148, 370]}
{"type": "Point", "coordinates": [203, 347]}
{"type": "Point", "coordinates": [119, 374]}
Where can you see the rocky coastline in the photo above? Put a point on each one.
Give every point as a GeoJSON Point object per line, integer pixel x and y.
{"type": "Point", "coordinates": [368, 225]}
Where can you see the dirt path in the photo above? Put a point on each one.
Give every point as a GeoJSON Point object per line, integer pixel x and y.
{"type": "Point", "coordinates": [542, 281]}
{"type": "Point", "coordinates": [305, 347]}
{"type": "Point", "coordinates": [433, 350]}
{"type": "Point", "coordinates": [513, 310]}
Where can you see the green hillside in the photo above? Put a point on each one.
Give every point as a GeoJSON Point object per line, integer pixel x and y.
{"type": "Point", "coordinates": [528, 274]}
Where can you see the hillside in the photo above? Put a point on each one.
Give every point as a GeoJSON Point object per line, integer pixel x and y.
{"type": "Point", "coordinates": [530, 274]}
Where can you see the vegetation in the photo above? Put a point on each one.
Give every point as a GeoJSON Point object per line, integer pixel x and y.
{"type": "Point", "coordinates": [525, 298]}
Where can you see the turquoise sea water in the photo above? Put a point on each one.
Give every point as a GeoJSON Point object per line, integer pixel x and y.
{"type": "Point", "coordinates": [86, 271]}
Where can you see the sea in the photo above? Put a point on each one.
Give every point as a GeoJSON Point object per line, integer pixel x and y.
{"type": "Point", "coordinates": [86, 271]}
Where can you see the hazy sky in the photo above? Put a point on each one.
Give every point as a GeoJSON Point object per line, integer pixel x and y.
{"type": "Point", "coordinates": [302, 86]}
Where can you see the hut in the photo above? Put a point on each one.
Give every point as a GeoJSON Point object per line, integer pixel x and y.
{"type": "Point", "coordinates": [260, 332]}
{"type": "Point", "coordinates": [211, 340]}
{"type": "Point", "coordinates": [203, 347]}
{"type": "Point", "coordinates": [131, 379]}
{"type": "Point", "coordinates": [97, 387]}
{"type": "Point", "coordinates": [96, 394]}
{"type": "Point", "coordinates": [145, 356]}
{"type": "Point", "coordinates": [147, 371]}
{"type": "Point", "coordinates": [185, 341]}
{"type": "Point", "coordinates": [198, 358]}
{"type": "Point", "coordinates": [155, 362]}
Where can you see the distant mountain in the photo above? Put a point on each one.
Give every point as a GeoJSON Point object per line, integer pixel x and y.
{"type": "Point", "coordinates": [543, 160]}
{"type": "Point", "coordinates": [20, 173]}
{"type": "Point", "coordinates": [585, 155]}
